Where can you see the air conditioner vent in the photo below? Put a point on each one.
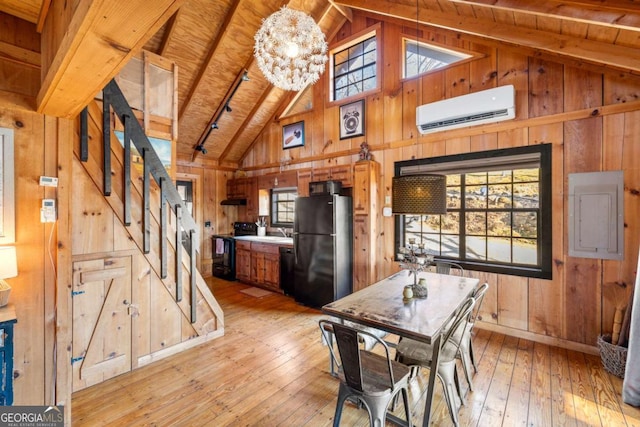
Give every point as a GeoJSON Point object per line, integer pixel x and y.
{"type": "Point", "coordinates": [466, 119]}
{"type": "Point", "coordinates": [488, 106]}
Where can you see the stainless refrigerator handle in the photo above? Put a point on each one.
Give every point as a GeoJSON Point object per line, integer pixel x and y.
{"type": "Point", "coordinates": [295, 248]}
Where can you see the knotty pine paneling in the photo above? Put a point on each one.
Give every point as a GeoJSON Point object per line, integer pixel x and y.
{"type": "Point", "coordinates": [545, 308]}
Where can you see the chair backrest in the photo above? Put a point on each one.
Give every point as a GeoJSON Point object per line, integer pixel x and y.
{"type": "Point", "coordinates": [478, 294]}
{"type": "Point", "coordinates": [444, 267]}
{"type": "Point", "coordinates": [350, 342]}
{"type": "Point", "coordinates": [459, 323]}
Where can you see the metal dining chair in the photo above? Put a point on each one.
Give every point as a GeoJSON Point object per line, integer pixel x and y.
{"type": "Point", "coordinates": [419, 354]}
{"type": "Point", "coordinates": [466, 343]}
{"type": "Point", "coordinates": [373, 380]}
{"type": "Point", "coordinates": [368, 342]}
{"type": "Point", "coordinates": [445, 267]}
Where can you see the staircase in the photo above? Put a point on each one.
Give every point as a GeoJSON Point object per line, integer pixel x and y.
{"type": "Point", "coordinates": [151, 214]}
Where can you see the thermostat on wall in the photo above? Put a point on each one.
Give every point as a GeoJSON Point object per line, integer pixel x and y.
{"type": "Point", "coordinates": [48, 181]}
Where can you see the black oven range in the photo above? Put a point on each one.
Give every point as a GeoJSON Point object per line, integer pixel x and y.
{"type": "Point", "coordinates": [224, 249]}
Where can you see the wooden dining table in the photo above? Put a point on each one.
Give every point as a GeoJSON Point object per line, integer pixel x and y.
{"type": "Point", "coordinates": [382, 306]}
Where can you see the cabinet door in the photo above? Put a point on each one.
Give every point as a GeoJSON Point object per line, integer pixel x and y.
{"type": "Point", "coordinates": [252, 198]}
{"type": "Point", "coordinates": [257, 267]}
{"type": "Point", "coordinates": [342, 174]}
{"type": "Point", "coordinates": [304, 178]}
{"type": "Point", "coordinates": [272, 271]}
{"type": "Point", "coordinates": [361, 189]}
{"type": "Point", "coordinates": [323, 174]}
{"type": "Point", "coordinates": [243, 265]}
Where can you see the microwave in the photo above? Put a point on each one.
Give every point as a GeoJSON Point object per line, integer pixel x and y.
{"type": "Point", "coordinates": [324, 188]}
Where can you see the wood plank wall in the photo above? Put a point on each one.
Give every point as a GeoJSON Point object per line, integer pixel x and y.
{"type": "Point", "coordinates": [574, 307]}
{"type": "Point", "coordinates": [33, 290]}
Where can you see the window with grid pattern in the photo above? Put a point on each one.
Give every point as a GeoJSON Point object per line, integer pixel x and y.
{"type": "Point", "coordinates": [282, 206]}
{"type": "Point", "coordinates": [498, 211]}
{"type": "Point", "coordinates": [354, 68]}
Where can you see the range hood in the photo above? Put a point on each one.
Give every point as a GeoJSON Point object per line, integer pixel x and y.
{"type": "Point", "coordinates": [234, 202]}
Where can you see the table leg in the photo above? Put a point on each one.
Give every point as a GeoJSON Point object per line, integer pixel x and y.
{"type": "Point", "coordinates": [433, 372]}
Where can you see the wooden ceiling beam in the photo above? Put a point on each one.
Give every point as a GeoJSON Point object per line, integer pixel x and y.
{"type": "Point", "coordinates": [166, 37]}
{"type": "Point", "coordinates": [612, 15]}
{"type": "Point", "coordinates": [20, 55]}
{"type": "Point", "coordinates": [579, 50]}
{"type": "Point", "coordinates": [44, 11]}
{"type": "Point", "coordinates": [344, 11]}
{"type": "Point", "coordinates": [92, 47]}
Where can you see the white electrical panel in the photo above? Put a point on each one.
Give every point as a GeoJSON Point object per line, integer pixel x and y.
{"type": "Point", "coordinates": [596, 215]}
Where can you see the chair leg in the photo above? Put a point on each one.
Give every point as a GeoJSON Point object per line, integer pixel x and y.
{"type": "Point", "coordinates": [407, 409]}
{"type": "Point", "coordinates": [342, 396]}
{"type": "Point", "coordinates": [446, 373]}
{"type": "Point", "coordinates": [471, 356]}
{"type": "Point", "coordinates": [456, 380]}
{"type": "Point", "coordinates": [465, 358]}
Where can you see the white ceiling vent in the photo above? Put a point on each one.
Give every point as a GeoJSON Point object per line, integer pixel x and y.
{"type": "Point", "coordinates": [488, 106]}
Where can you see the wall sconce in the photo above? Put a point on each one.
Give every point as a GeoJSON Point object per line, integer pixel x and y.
{"type": "Point", "coordinates": [419, 194]}
{"type": "Point", "coordinates": [8, 269]}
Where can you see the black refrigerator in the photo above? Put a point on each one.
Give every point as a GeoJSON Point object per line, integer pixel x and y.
{"type": "Point", "coordinates": [322, 240]}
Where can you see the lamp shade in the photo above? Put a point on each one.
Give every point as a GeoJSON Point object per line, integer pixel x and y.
{"type": "Point", "coordinates": [8, 262]}
{"type": "Point", "coordinates": [419, 194]}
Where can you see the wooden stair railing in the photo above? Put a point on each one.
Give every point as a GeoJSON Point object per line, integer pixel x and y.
{"type": "Point", "coordinates": [152, 167]}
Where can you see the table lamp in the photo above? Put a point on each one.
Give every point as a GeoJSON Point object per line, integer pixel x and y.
{"type": "Point", "coordinates": [8, 268]}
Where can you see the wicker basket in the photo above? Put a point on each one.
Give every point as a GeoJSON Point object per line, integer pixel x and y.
{"type": "Point", "coordinates": [614, 357]}
{"type": "Point", "coordinates": [5, 290]}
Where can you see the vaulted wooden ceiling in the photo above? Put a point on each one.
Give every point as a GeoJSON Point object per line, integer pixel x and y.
{"type": "Point", "coordinates": [212, 43]}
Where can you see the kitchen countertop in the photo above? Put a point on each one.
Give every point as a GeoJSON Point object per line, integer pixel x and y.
{"type": "Point", "coordinates": [276, 240]}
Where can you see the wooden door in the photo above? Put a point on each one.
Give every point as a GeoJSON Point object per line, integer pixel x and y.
{"type": "Point", "coordinates": [101, 320]}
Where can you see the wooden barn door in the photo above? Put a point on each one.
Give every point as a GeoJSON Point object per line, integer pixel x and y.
{"type": "Point", "coordinates": [101, 320]}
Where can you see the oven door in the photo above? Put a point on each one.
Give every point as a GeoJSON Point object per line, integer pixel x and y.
{"type": "Point", "coordinates": [224, 257]}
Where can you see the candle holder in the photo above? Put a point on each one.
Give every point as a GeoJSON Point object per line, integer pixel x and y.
{"type": "Point", "coordinates": [415, 259]}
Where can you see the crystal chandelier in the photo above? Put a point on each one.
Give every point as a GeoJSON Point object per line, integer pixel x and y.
{"type": "Point", "coordinates": [290, 49]}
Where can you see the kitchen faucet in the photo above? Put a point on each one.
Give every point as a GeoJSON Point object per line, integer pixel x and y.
{"type": "Point", "coordinates": [282, 230]}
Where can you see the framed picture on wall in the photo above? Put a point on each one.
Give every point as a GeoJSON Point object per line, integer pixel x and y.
{"type": "Point", "coordinates": [7, 201]}
{"type": "Point", "coordinates": [293, 135]}
{"type": "Point", "coordinates": [352, 119]}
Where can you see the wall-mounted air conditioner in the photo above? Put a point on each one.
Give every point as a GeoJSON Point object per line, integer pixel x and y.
{"type": "Point", "coordinates": [488, 106]}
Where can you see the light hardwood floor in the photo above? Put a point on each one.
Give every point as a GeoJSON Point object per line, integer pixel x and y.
{"type": "Point", "coordinates": [270, 369]}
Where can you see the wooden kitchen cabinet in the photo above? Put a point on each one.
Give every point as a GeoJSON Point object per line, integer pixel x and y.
{"type": "Point", "coordinates": [243, 260]}
{"type": "Point", "coordinates": [278, 180]}
{"type": "Point", "coordinates": [366, 175]}
{"type": "Point", "coordinates": [304, 178]}
{"type": "Point", "coordinates": [251, 187]}
{"type": "Point", "coordinates": [366, 223]}
{"type": "Point", "coordinates": [265, 265]}
{"type": "Point", "coordinates": [237, 188]}
{"type": "Point", "coordinates": [340, 173]}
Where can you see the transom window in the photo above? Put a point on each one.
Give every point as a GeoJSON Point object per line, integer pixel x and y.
{"type": "Point", "coordinates": [282, 206]}
{"type": "Point", "coordinates": [354, 67]}
{"type": "Point", "coordinates": [498, 211]}
{"type": "Point", "coordinates": [420, 57]}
